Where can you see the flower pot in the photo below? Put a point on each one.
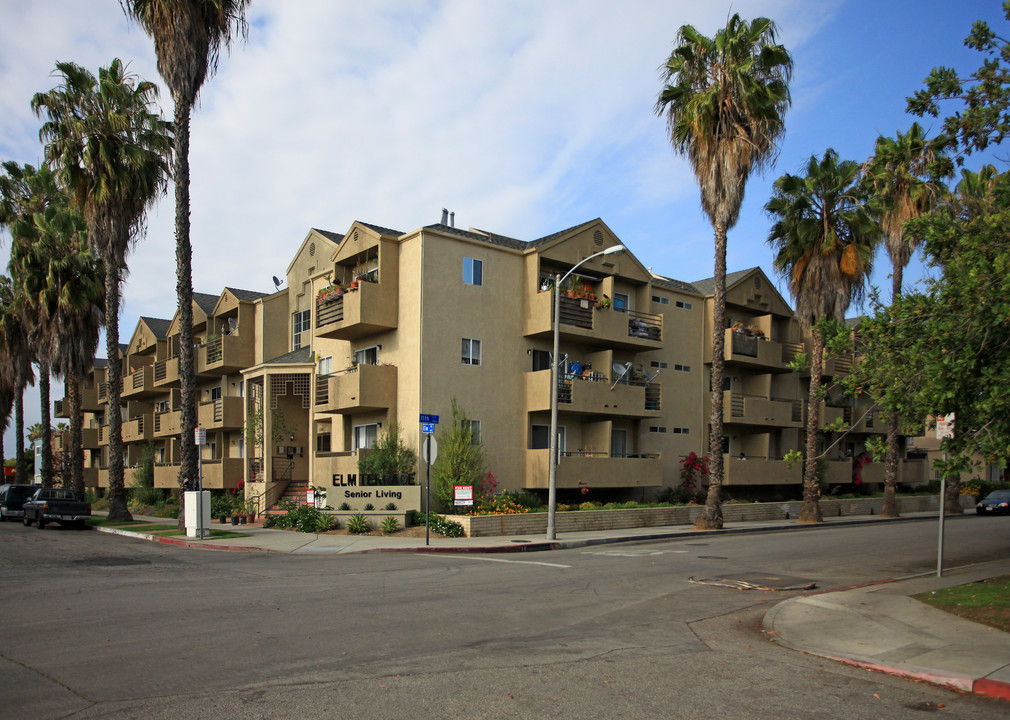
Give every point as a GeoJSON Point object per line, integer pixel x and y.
{"type": "Point", "coordinates": [224, 519]}
{"type": "Point", "coordinates": [234, 519]}
{"type": "Point", "coordinates": [241, 519]}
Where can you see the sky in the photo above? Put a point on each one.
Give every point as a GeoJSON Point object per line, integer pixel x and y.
{"type": "Point", "coordinates": [524, 117]}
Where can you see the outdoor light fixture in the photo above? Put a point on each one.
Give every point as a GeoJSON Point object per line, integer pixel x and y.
{"type": "Point", "coordinates": [552, 478]}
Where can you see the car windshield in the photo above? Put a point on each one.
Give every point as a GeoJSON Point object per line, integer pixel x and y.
{"type": "Point", "coordinates": [20, 492]}
{"type": "Point", "coordinates": [998, 495]}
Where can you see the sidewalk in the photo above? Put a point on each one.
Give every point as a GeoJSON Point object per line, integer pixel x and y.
{"type": "Point", "coordinates": [877, 627]}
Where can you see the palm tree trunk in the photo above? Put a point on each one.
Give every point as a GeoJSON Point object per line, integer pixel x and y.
{"type": "Point", "coordinates": [710, 518]}
{"type": "Point", "coordinates": [46, 464]}
{"type": "Point", "coordinates": [952, 505]}
{"type": "Point", "coordinates": [20, 471]}
{"type": "Point", "coordinates": [184, 290]}
{"type": "Point", "coordinates": [118, 510]}
{"type": "Point", "coordinates": [889, 509]}
{"type": "Point", "coordinates": [811, 510]}
{"type": "Point", "coordinates": [76, 439]}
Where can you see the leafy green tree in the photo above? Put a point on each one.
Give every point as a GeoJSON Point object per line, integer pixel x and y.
{"type": "Point", "coordinates": [111, 150]}
{"type": "Point", "coordinates": [905, 176]}
{"type": "Point", "coordinates": [824, 240]}
{"type": "Point", "coordinates": [943, 349]}
{"type": "Point", "coordinates": [188, 36]}
{"type": "Point", "coordinates": [724, 99]}
{"type": "Point", "coordinates": [390, 458]}
{"type": "Point", "coordinates": [982, 98]}
{"type": "Point", "coordinates": [460, 458]}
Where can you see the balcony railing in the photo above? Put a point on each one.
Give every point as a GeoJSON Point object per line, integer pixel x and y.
{"type": "Point", "coordinates": [645, 325]}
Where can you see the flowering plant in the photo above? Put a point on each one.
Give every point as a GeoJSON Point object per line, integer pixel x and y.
{"type": "Point", "coordinates": [692, 469]}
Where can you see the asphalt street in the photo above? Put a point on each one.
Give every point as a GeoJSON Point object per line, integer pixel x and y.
{"type": "Point", "coordinates": [105, 626]}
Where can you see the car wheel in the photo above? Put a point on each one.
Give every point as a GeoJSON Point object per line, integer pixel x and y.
{"type": "Point", "coordinates": [40, 523]}
{"type": "Point", "coordinates": [979, 512]}
{"type": "Point", "coordinates": [25, 521]}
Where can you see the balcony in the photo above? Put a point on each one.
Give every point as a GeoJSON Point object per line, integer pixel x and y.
{"type": "Point", "coordinates": [140, 383]}
{"type": "Point", "coordinates": [61, 408]}
{"type": "Point", "coordinates": [225, 354]}
{"type": "Point", "coordinates": [167, 424]}
{"type": "Point", "coordinates": [760, 471]}
{"type": "Point", "coordinates": [370, 308]}
{"type": "Point", "coordinates": [89, 440]}
{"type": "Point", "coordinates": [593, 470]}
{"type": "Point", "coordinates": [758, 352]}
{"type": "Point", "coordinates": [759, 410]}
{"type": "Point", "coordinates": [103, 392]}
{"type": "Point", "coordinates": [595, 394]}
{"type": "Point", "coordinates": [138, 430]}
{"type": "Point", "coordinates": [857, 420]}
{"type": "Point", "coordinates": [103, 435]}
{"type": "Point", "coordinates": [224, 473]}
{"type": "Point", "coordinates": [166, 373]}
{"type": "Point", "coordinates": [362, 388]}
{"type": "Point", "coordinates": [223, 413]}
{"type": "Point", "coordinates": [581, 321]}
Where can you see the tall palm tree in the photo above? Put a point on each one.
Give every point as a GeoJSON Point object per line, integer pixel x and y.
{"type": "Point", "coordinates": [111, 150]}
{"type": "Point", "coordinates": [16, 359]}
{"type": "Point", "coordinates": [824, 240]}
{"type": "Point", "coordinates": [724, 99]}
{"type": "Point", "coordinates": [188, 37]}
{"type": "Point", "coordinates": [28, 194]}
{"type": "Point", "coordinates": [975, 193]}
{"type": "Point", "coordinates": [65, 284]}
{"type": "Point", "coordinates": [905, 175]}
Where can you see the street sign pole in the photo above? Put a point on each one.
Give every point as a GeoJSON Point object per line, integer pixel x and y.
{"type": "Point", "coordinates": [427, 492]}
{"type": "Point", "coordinates": [944, 430]}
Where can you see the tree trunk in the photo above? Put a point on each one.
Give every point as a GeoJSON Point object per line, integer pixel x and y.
{"type": "Point", "coordinates": [952, 506]}
{"type": "Point", "coordinates": [20, 471]}
{"type": "Point", "coordinates": [811, 510]}
{"type": "Point", "coordinates": [46, 464]}
{"type": "Point", "coordinates": [184, 290]}
{"type": "Point", "coordinates": [889, 509]}
{"type": "Point", "coordinates": [118, 510]}
{"type": "Point", "coordinates": [76, 439]}
{"type": "Point", "coordinates": [710, 518]}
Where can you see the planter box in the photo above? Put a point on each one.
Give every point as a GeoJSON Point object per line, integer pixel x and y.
{"type": "Point", "coordinates": [589, 520]}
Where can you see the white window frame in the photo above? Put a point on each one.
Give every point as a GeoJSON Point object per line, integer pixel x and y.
{"type": "Point", "coordinates": [473, 272]}
{"type": "Point", "coordinates": [301, 321]}
{"type": "Point", "coordinates": [362, 356]}
{"type": "Point", "coordinates": [361, 432]}
{"type": "Point", "coordinates": [325, 365]}
{"type": "Point", "coordinates": [470, 351]}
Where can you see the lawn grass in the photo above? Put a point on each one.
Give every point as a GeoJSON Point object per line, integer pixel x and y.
{"type": "Point", "coordinates": [986, 601]}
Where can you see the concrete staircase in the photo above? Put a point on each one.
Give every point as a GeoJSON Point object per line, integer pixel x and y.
{"type": "Point", "coordinates": [294, 492]}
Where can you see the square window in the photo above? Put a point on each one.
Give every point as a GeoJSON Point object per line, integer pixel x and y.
{"type": "Point", "coordinates": [473, 271]}
{"type": "Point", "coordinates": [621, 302]}
{"type": "Point", "coordinates": [471, 352]}
{"type": "Point", "coordinates": [365, 435]}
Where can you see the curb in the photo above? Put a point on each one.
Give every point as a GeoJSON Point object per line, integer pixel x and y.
{"type": "Point", "coordinates": [176, 541]}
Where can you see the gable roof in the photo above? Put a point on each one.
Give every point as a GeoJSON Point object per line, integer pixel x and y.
{"type": "Point", "coordinates": [331, 236]}
{"type": "Point", "coordinates": [707, 286]}
{"type": "Point", "coordinates": [205, 301]}
{"type": "Point", "coordinates": [246, 295]}
{"type": "Point", "coordinates": [301, 355]}
{"type": "Point", "coordinates": [158, 326]}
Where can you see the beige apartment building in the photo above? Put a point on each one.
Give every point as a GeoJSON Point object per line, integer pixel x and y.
{"type": "Point", "coordinates": [378, 326]}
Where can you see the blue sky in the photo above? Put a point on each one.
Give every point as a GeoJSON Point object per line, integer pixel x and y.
{"type": "Point", "coordinates": [522, 116]}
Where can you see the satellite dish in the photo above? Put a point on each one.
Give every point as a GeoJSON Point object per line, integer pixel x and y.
{"type": "Point", "coordinates": [277, 283]}
{"type": "Point", "coordinates": [620, 372]}
{"type": "Point", "coordinates": [650, 378]}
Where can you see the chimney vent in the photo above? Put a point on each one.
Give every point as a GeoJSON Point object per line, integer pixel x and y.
{"type": "Point", "coordinates": [445, 216]}
{"type": "Point", "coordinates": [452, 219]}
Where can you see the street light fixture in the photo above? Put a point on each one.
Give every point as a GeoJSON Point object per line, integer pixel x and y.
{"type": "Point", "coordinates": [552, 478]}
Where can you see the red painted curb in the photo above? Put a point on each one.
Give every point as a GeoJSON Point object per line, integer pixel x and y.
{"type": "Point", "coordinates": [991, 688]}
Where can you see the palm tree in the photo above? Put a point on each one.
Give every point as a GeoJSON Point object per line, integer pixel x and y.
{"type": "Point", "coordinates": [28, 194]}
{"type": "Point", "coordinates": [824, 240]}
{"type": "Point", "coordinates": [724, 99]}
{"type": "Point", "coordinates": [65, 284]}
{"type": "Point", "coordinates": [16, 359]}
{"type": "Point", "coordinates": [188, 37]}
{"type": "Point", "coordinates": [974, 194]}
{"type": "Point", "coordinates": [112, 154]}
{"type": "Point", "coordinates": [905, 176]}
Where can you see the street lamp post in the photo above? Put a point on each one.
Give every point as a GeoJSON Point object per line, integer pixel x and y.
{"type": "Point", "coordinates": [552, 477]}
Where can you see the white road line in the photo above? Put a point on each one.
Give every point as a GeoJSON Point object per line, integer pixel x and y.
{"type": "Point", "coordinates": [521, 562]}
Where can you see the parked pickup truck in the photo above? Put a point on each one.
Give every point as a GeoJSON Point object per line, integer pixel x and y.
{"type": "Point", "coordinates": [55, 505]}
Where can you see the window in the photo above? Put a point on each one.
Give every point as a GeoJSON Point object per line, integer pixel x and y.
{"type": "Point", "coordinates": [471, 351]}
{"type": "Point", "coordinates": [367, 356]}
{"type": "Point", "coordinates": [215, 393]}
{"type": "Point", "coordinates": [240, 448]}
{"type": "Point", "coordinates": [681, 431]}
{"type": "Point", "coordinates": [540, 437]}
{"type": "Point", "coordinates": [619, 443]}
{"type": "Point", "coordinates": [475, 438]}
{"type": "Point", "coordinates": [660, 300]}
{"type": "Point", "coordinates": [365, 435]}
{"type": "Point", "coordinates": [659, 364]}
{"type": "Point", "coordinates": [621, 301]}
{"type": "Point", "coordinates": [326, 365]}
{"type": "Point", "coordinates": [473, 271]}
{"type": "Point", "coordinates": [323, 443]}
{"type": "Point", "coordinates": [300, 322]}
{"type": "Point", "coordinates": [541, 360]}
{"type": "Point", "coordinates": [657, 428]}
{"type": "Point", "coordinates": [682, 368]}
{"type": "Point", "coordinates": [683, 305]}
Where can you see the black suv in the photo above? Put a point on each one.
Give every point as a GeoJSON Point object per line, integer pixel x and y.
{"type": "Point", "coordinates": [12, 497]}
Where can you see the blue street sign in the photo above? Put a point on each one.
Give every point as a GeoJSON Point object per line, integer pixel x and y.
{"type": "Point", "coordinates": [425, 418]}
{"type": "Point", "coordinates": [428, 428]}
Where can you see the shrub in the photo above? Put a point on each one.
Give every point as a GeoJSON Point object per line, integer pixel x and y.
{"type": "Point", "coordinates": [303, 518]}
{"type": "Point", "coordinates": [439, 524]}
{"type": "Point", "coordinates": [357, 524]}
{"type": "Point", "coordinates": [391, 506]}
{"type": "Point", "coordinates": [460, 458]}
{"type": "Point", "coordinates": [369, 506]}
{"type": "Point", "coordinates": [390, 459]}
{"type": "Point", "coordinates": [344, 506]}
{"type": "Point", "coordinates": [390, 525]}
